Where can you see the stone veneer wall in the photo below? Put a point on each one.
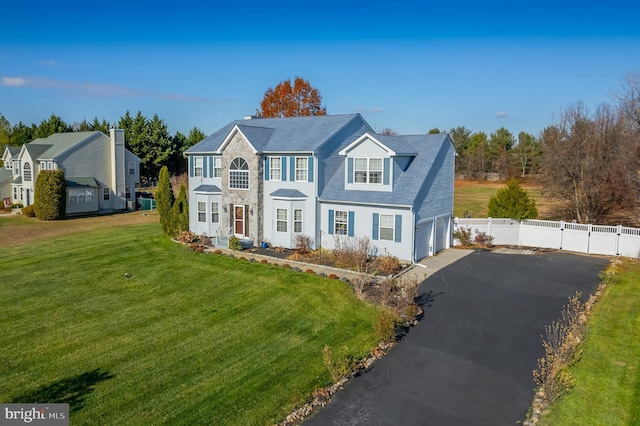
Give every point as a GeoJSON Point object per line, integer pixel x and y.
{"type": "Point", "coordinates": [239, 147]}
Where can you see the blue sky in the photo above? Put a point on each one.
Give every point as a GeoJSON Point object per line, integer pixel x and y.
{"type": "Point", "coordinates": [401, 64]}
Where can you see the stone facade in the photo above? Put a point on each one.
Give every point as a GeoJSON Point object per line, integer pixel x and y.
{"type": "Point", "coordinates": [251, 199]}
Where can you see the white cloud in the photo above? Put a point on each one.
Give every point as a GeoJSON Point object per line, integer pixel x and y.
{"type": "Point", "coordinates": [94, 90]}
{"type": "Point", "coordinates": [501, 114]}
{"type": "Point", "coordinates": [13, 81]}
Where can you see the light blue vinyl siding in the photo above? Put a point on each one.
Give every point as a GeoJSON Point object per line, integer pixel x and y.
{"type": "Point", "coordinates": [436, 196]}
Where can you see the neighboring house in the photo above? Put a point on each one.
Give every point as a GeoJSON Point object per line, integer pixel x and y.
{"type": "Point", "coordinates": [325, 177]}
{"type": "Point", "coordinates": [100, 173]}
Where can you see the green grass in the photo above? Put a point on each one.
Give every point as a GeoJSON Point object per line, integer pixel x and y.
{"type": "Point", "coordinates": [473, 200]}
{"type": "Point", "coordinates": [187, 339]}
{"type": "Point", "coordinates": [607, 377]}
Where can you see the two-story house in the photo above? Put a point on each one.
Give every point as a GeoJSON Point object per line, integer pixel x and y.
{"type": "Point", "coordinates": [100, 173]}
{"type": "Point", "coordinates": [325, 177]}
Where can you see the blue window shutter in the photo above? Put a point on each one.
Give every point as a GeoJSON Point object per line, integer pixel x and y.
{"type": "Point", "coordinates": [292, 172]}
{"type": "Point", "coordinates": [310, 170]}
{"type": "Point", "coordinates": [191, 165]}
{"type": "Point", "coordinates": [398, 230]}
{"type": "Point", "coordinates": [376, 226]}
{"type": "Point", "coordinates": [283, 171]}
{"type": "Point", "coordinates": [349, 170]}
{"type": "Point", "coordinates": [211, 166]}
{"type": "Point", "coordinates": [351, 222]}
{"type": "Point", "coordinates": [330, 221]}
{"type": "Point", "coordinates": [266, 168]}
{"type": "Point", "coordinates": [204, 166]}
{"type": "Point", "coordinates": [385, 172]}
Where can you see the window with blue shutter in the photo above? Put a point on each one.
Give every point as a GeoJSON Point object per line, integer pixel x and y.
{"type": "Point", "coordinates": [204, 166]}
{"type": "Point", "coordinates": [266, 168]}
{"type": "Point", "coordinates": [191, 166]}
{"type": "Point", "coordinates": [398, 230]}
{"type": "Point", "coordinates": [331, 222]}
{"type": "Point", "coordinates": [376, 224]}
{"type": "Point", "coordinates": [283, 164]}
{"type": "Point", "coordinates": [211, 166]}
{"type": "Point", "coordinates": [351, 223]}
{"type": "Point", "coordinates": [310, 170]}
{"type": "Point", "coordinates": [386, 173]}
{"type": "Point", "coordinates": [292, 169]}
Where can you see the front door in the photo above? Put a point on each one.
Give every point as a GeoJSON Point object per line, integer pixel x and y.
{"type": "Point", "coordinates": [238, 220]}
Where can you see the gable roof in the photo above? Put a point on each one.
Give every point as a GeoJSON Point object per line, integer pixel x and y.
{"type": "Point", "coordinates": [57, 144]}
{"type": "Point", "coordinates": [394, 145]}
{"type": "Point", "coordinates": [292, 134]}
{"type": "Point", "coordinates": [407, 185]}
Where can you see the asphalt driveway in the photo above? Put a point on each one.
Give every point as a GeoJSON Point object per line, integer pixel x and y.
{"type": "Point", "coordinates": [469, 361]}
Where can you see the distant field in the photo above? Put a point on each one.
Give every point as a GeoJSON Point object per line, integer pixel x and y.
{"type": "Point", "coordinates": [472, 197]}
{"type": "Point", "coordinates": [133, 329]}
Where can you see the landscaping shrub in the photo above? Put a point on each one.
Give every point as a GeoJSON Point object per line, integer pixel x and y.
{"type": "Point", "coordinates": [164, 200]}
{"type": "Point", "coordinates": [482, 239]}
{"type": "Point", "coordinates": [463, 235]}
{"type": "Point", "coordinates": [338, 365]}
{"type": "Point", "coordinates": [29, 211]}
{"type": "Point", "coordinates": [512, 202]}
{"type": "Point", "coordinates": [386, 325]}
{"type": "Point", "coordinates": [352, 254]}
{"type": "Point", "coordinates": [187, 237]}
{"type": "Point", "coordinates": [302, 243]}
{"type": "Point", "coordinates": [234, 243]}
{"type": "Point", "coordinates": [180, 213]}
{"type": "Point", "coordinates": [562, 342]}
{"type": "Point", "coordinates": [50, 195]}
{"type": "Point", "coordinates": [386, 264]}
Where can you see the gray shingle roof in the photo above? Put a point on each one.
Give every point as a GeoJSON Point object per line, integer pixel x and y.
{"type": "Point", "coordinates": [409, 183]}
{"type": "Point", "coordinates": [288, 193]}
{"type": "Point", "coordinates": [81, 182]}
{"type": "Point", "coordinates": [5, 174]}
{"type": "Point", "coordinates": [212, 189]}
{"type": "Point", "coordinates": [294, 134]}
{"type": "Point", "coordinates": [58, 143]}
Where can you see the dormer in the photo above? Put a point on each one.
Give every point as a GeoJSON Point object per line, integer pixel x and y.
{"type": "Point", "coordinates": [369, 162]}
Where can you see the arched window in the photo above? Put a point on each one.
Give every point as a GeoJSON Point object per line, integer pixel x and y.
{"type": "Point", "coordinates": [239, 174]}
{"type": "Point", "coordinates": [27, 172]}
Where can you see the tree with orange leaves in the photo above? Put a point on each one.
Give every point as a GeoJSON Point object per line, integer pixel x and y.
{"type": "Point", "coordinates": [292, 101]}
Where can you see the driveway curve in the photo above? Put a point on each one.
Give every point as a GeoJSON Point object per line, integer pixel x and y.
{"type": "Point", "coordinates": [469, 361]}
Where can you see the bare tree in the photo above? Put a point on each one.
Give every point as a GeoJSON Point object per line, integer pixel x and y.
{"type": "Point", "coordinates": [588, 159]}
{"type": "Point", "coordinates": [628, 97]}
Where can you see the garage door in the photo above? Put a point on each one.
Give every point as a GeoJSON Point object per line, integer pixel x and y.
{"type": "Point", "coordinates": [423, 239]}
{"type": "Point", "coordinates": [442, 234]}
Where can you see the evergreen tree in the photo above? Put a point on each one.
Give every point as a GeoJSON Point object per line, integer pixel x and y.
{"type": "Point", "coordinates": [50, 195]}
{"type": "Point", "coordinates": [164, 200]}
{"type": "Point", "coordinates": [512, 202]}
{"type": "Point", "coordinates": [53, 125]}
{"type": "Point", "coordinates": [180, 213]}
{"type": "Point", "coordinates": [21, 134]}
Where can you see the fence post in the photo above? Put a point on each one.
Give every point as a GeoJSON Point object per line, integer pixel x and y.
{"type": "Point", "coordinates": [561, 233]}
{"type": "Point", "coordinates": [589, 227]}
{"type": "Point", "coordinates": [618, 234]}
{"type": "Point", "coordinates": [489, 227]}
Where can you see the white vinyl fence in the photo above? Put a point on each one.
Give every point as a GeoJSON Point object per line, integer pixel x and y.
{"type": "Point", "coordinates": [577, 237]}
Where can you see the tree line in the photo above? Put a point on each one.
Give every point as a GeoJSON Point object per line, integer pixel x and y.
{"type": "Point", "coordinates": [149, 139]}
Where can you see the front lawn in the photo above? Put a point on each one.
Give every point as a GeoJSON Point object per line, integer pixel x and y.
{"type": "Point", "coordinates": [130, 328]}
{"type": "Point", "coordinates": [607, 376]}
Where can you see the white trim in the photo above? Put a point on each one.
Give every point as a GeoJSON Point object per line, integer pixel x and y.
{"type": "Point", "coordinates": [362, 139]}
{"type": "Point", "coordinates": [230, 136]}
